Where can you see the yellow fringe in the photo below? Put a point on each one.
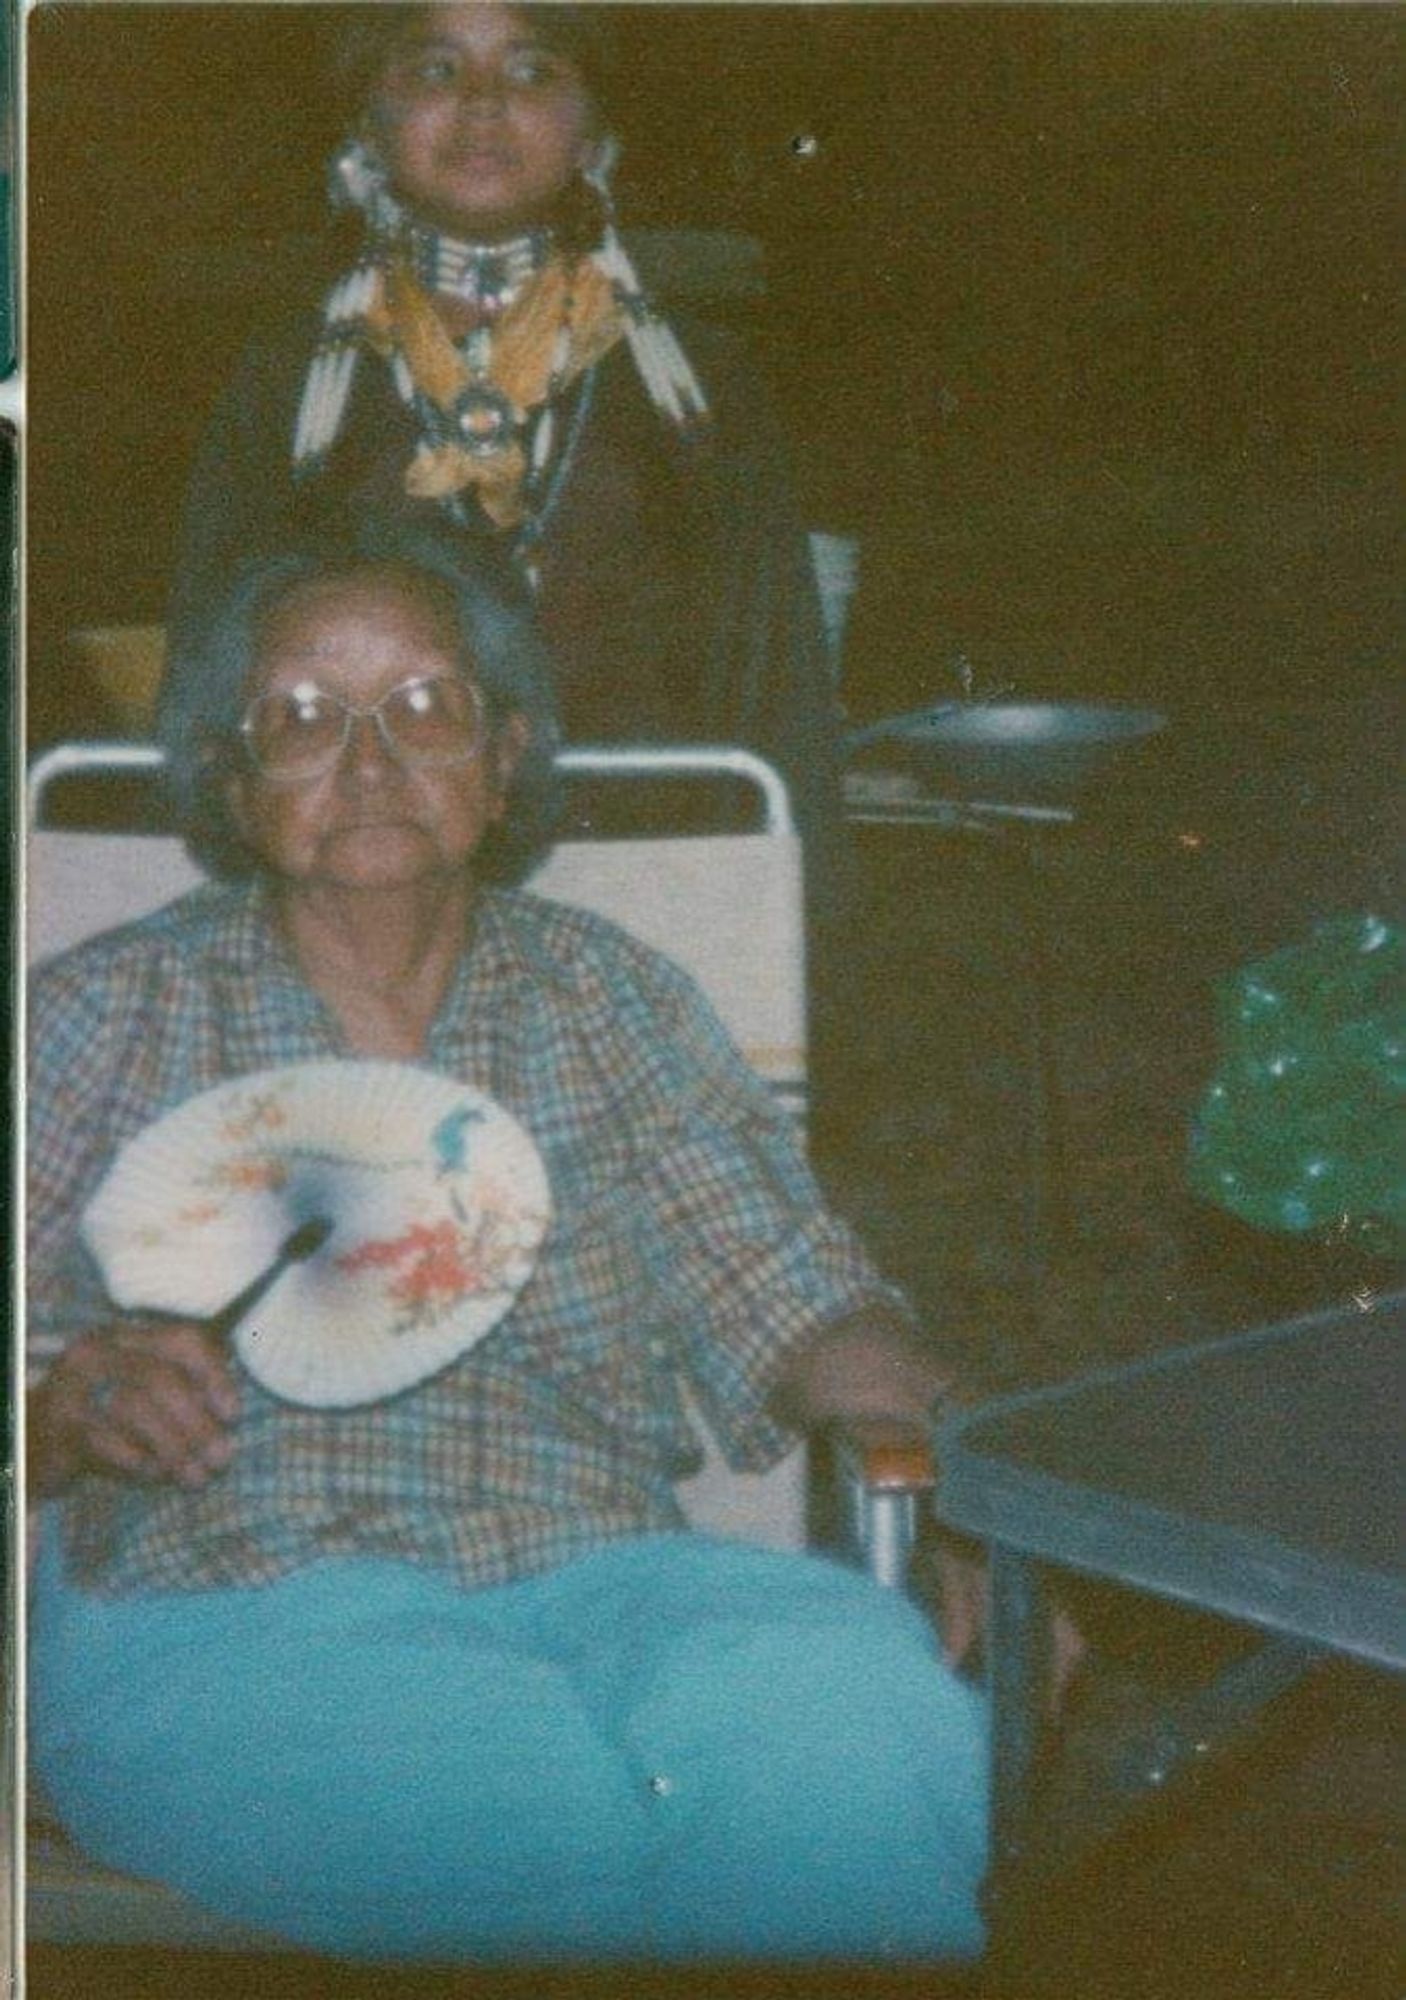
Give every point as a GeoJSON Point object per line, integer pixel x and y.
{"type": "Point", "coordinates": [520, 368]}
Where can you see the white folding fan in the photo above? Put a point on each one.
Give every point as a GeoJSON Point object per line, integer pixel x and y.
{"type": "Point", "coordinates": [358, 1225]}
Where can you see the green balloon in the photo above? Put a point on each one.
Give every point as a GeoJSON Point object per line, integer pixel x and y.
{"type": "Point", "coordinates": [1300, 1127]}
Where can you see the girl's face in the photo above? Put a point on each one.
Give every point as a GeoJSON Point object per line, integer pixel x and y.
{"type": "Point", "coordinates": [481, 124]}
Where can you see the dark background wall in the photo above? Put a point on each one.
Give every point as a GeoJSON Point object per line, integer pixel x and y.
{"type": "Point", "coordinates": [1084, 320]}
{"type": "Point", "coordinates": [1082, 316]}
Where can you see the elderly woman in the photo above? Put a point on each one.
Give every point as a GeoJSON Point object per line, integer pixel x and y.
{"type": "Point", "coordinates": [491, 359]}
{"type": "Point", "coordinates": [442, 1676]}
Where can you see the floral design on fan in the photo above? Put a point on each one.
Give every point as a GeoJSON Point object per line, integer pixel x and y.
{"type": "Point", "coordinates": [264, 1111]}
{"type": "Point", "coordinates": [248, 1118]}
{"type": "Point", "coordinates": [252, 1173]}
{"type": "Point", "coordinates": [436, 1266]}
{"type": "Point", "coordinates": [198, 1212]}
{"type": "Point", "coordinates": [249, 1173]}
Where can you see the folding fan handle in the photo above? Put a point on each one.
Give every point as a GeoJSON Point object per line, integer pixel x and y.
{"type": "Point", "coordinates": [307, 1238]}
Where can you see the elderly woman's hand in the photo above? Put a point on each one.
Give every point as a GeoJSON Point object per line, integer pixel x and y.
{"type": "Point", "coordinates": [153, 1402]}
{"type": "Point", "coordinates": [878, 1379]}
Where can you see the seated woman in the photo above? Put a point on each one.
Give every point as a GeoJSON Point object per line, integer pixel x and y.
{"type": "Point", "coordinates": [443, 1676]}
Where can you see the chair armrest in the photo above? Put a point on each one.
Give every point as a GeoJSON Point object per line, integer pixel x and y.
{"type": "Point", "coordinates": [886, 1471]}
{"type": "Point", "coordinates": [887, 1454]}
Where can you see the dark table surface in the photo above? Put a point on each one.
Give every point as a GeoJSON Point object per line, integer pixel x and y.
{"type": "Point", "coordinates": [1257, 1476]}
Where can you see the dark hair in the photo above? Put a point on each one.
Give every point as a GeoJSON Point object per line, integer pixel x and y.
{"type": "Point", "coordinates": [204, 692]}
{"type": "Point", "coordinates": [367, 34]}
{"type": "Point", "coordinates": [364, 38]}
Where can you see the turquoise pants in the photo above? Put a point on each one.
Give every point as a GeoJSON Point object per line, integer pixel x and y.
{"type": "Point", "coordinates": [672, 1749]}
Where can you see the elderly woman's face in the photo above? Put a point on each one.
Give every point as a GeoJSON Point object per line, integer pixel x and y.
{"type": "Point", "coordinates": [480, 123]}
{"type": "Point", "coordinates": [363, 816]}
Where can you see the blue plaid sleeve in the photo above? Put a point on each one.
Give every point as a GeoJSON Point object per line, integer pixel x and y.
{"type": "Point", "coordinates": [84, 1032]}
{"type": "Point", "coordinates": [69, 1055]}
{"type": "Point", "coordinates": [747, 1261]}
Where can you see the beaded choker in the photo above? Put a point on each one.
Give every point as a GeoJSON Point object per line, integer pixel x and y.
{"type": "Point", "coordinates": [485, 275]}
{"type": "Point", "coordinates": [486, 403]}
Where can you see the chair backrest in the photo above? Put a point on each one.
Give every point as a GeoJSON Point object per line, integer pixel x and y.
{"type": "Point", "coordinates": [726, 907]}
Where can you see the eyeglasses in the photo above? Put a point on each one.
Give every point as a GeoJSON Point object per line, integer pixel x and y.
{"type": "Point", "coordinates": [293, 735]}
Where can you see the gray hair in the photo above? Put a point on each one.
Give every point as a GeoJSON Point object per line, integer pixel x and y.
{"type": "Point", "coordinates": [204, 693]}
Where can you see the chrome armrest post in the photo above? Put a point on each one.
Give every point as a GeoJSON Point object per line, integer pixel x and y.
{"type": "Point", "coordinates": [884, 1480]}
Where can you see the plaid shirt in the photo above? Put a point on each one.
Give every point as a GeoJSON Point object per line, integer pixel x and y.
{"type": "Point", "coordinates": [689, 1242]}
